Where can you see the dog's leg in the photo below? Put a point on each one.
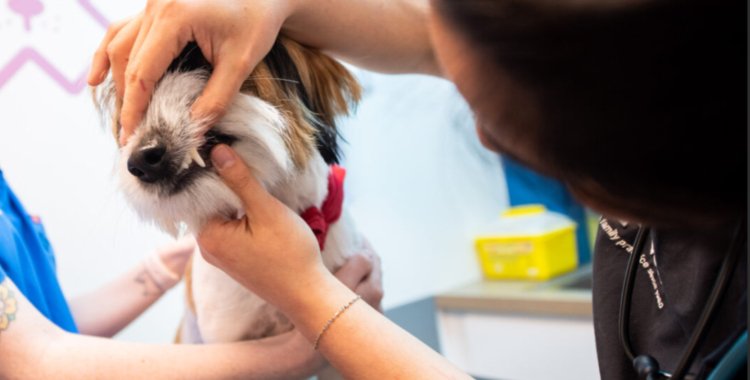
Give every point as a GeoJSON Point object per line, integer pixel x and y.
{"type": "Point", "coordinates": [188, 332]}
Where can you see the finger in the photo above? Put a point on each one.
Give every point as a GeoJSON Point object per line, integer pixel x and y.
{"type": "Point", "coordinates": [142, 33]}
{"type": "Point", "coordinates": [367, 249]}
{"type": "Point", "coordinates": [241, 180]}
{"type": "Point", "coordinates": [223, 85]}
{"type": "Point", "coordinates": [354, 270]}
{"type": "Point", "coordinates": [377, 268]}
{"type": "Point", "coordinates": [372, 294]}
{"type": "Point", "coordinates": [176, 255]}
{"type": "Point", "coordinates": [371, 287]}
{"type": "Point", "coordinates": [160, 47]}
{"type": "Point", "coordinates": [118, 51]}
{"type": "Point", "coordinates": [100, 62]}
{"type": "Point", "coordinates": [184, 245]}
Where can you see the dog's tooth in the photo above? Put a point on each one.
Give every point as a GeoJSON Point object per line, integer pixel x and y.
{"type": "Point", "coordinates": [186, 162]}
{"type": "Point", "coordinates": [197, 157]}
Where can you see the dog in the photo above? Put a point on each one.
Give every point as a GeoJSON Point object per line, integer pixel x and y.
{"type": "Point", "coordinates": [282, 123]}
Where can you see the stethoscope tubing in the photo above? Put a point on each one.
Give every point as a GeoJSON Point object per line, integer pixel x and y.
{"type": "Point", "coordinates": [720, 285]}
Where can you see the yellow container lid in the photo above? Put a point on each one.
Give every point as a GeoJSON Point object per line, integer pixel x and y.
{"type": "Point", "coordinates": [526, 220]}
{"type": "Point", "coordinates": [532, 209]}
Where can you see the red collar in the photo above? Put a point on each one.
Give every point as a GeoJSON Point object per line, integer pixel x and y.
{"type": "Point", "coordinates": [319, 219]}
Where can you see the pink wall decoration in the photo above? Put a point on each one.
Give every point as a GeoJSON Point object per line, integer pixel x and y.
{"type": "Point", "coordinates": [27, 9]}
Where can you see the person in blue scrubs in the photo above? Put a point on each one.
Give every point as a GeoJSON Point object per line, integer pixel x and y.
{"type": "Point", "coordinates": [27, 257]}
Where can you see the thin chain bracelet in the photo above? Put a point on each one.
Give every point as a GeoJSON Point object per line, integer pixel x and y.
{"type": "Point", "coordinates": [333, 319]}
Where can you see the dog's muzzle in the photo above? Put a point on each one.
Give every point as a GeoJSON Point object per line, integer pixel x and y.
{"type": "Point", "coordinates": [171, 169]}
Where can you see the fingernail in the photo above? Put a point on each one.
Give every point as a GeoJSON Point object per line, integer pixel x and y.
{"type": "Point", "coordinates": [222, 157]}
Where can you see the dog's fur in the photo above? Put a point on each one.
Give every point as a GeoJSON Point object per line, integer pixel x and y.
{"type": "Point", "coordinates": [282, 124]}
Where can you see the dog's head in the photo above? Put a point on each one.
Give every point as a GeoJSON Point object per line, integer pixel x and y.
{"type": "Point", "coordinates": [281, 121]}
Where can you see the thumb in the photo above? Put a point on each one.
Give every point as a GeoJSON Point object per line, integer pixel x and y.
{"type": "Point", "coordinates": [239, 178]}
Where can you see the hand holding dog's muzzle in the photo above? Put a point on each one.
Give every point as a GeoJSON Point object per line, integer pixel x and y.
{"type": "Point", "coordinates": [270, 250]}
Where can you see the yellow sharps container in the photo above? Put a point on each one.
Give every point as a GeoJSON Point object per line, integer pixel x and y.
{"type": "Point", "coordinates": [527, 242]}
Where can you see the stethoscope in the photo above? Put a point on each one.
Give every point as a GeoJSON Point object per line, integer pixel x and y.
{"type": "Point", "coordinates": [645, 365]}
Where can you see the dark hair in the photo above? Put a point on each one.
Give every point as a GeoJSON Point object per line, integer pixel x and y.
{"type": "Point", "coordinates": [645, 98]}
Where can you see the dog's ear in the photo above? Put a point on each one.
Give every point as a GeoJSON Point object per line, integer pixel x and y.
{"type": "Point", "coordinates": [108, 106]}
{"type": "Point", "coordinates": [331, 91]}
{"type": "Point", "coordinates": [330, 87]}
{"type": "Point", "coordinates": [325, 88]}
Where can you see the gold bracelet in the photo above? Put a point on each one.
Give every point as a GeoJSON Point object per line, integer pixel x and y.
{"type": "Point", "coordinates": [335, 316]}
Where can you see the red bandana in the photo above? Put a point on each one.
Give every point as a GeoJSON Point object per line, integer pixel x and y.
{"type": "Point", "coordinates": [319, 219]}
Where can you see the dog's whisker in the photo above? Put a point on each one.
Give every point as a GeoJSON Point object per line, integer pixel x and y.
{"type": "Point", "coordinates": [279, 79]}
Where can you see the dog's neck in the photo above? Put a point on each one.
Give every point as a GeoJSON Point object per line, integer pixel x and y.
{"type": "Point", "coordinates": [305, 188]}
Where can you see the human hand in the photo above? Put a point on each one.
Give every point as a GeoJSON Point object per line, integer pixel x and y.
{"type": "Point", "coordinates": [297, 358]}
{"type": "Point", "coordinates": [363, 274]}
{"type": "Point", "coordinates": [167, 265]}
{"type": "Point", "coordinates": [233, 35]}
{"type": "Point", "coordinates": [270, 250]}
{"type": "Point", "coordinates": [176, 255]}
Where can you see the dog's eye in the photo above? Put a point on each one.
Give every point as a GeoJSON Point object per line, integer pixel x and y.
{"type": "Point", "coordinates": [214, 138]}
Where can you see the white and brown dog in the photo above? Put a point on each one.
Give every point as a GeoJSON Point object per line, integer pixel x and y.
{"type": "Point", "coordinates": [282, 124]}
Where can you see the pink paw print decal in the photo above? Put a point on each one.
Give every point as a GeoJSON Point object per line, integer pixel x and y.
{"type": "Point", "coordinates": [53, 38]}
{"type": "Point", "coordinates": [27, 9]}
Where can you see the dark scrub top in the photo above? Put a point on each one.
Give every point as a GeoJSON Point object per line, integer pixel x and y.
{"type": "Point", "coordinates": [672, 284]}
{"type": "Point", "coordinates": [26, 257]}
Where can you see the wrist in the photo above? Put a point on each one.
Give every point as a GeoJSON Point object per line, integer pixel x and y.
{"type": "Point", "coordinates": [310, 308]}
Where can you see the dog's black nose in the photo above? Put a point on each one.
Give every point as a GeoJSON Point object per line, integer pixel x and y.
{"type": "Point", "coordinates": [149, 164]}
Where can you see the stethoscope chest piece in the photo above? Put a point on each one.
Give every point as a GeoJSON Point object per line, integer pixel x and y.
{"type": "Point", "coordinates": [647, 368]}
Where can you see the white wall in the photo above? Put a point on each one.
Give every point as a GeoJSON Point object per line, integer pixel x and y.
{"type": "Point", "coordinates": [418, 182]}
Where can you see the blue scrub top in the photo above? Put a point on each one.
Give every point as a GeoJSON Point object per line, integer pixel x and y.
{"type": "Point", "coordinates": [26, 257]}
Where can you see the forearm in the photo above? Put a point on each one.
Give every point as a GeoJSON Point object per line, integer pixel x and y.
{"type": "Point", "coordinates": [361, 343]}
{"type": "Point", "coordinates": [79, 357]}
{"type": "Point", "coordinates": [382, 35]}
{"type": "Point", "coordinates": [109, 309]}
{"type": "Point", "coordinates": [31, 347]}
